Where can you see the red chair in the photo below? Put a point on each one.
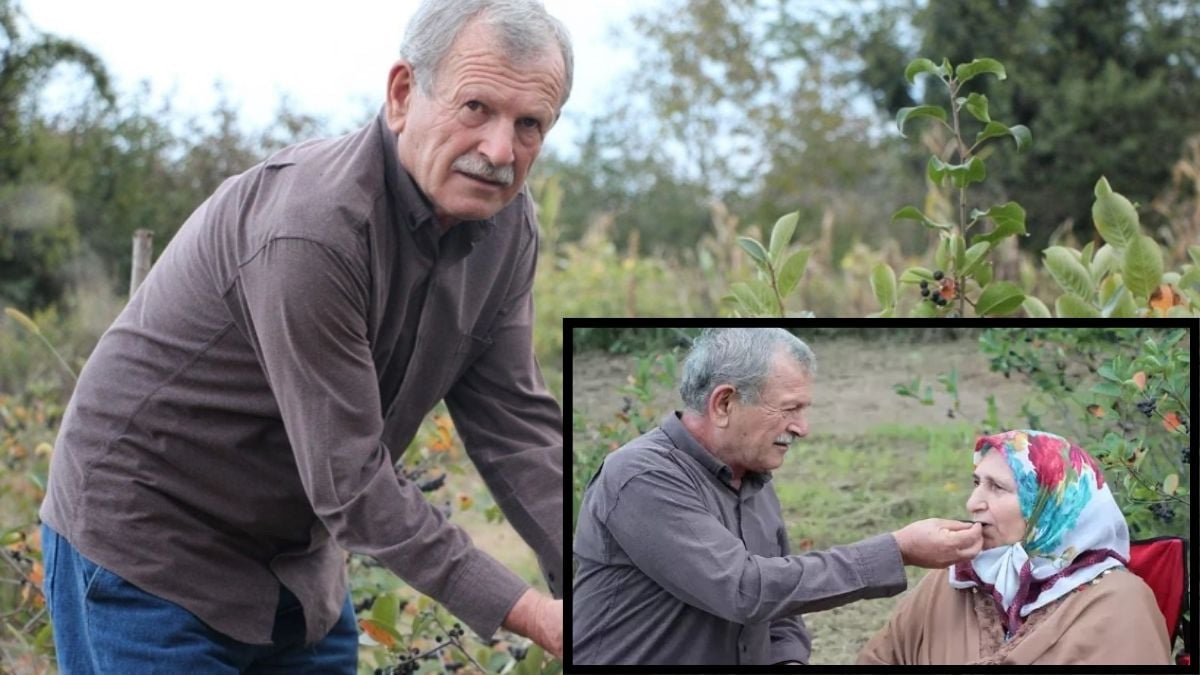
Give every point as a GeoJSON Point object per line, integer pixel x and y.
{"type": "Point", "coordinates": [1162, 563]}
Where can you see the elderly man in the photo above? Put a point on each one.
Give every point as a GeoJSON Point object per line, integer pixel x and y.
{"type": "Point", "coordinates": [681, 547]}
{"type": "Point", "coordinates": [237, 426]}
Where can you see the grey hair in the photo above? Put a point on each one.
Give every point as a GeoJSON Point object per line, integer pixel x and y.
{"type": "Point", "coordinates": [740, 357]}
{"type": "Point", "coordinates": [524, 27]}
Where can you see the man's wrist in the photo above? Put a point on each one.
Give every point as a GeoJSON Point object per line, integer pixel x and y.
{"type": "Point", "coordinates": [522, 619]}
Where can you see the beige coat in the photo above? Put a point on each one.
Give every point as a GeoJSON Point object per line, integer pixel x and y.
{"type": "Point", "coordinates": [1112, 620]}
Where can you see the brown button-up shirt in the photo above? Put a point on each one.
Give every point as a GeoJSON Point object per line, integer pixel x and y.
{"type": "Point", "coordinates": [678, 567]}
{"type": "Point", "coordinates": [244, 412]}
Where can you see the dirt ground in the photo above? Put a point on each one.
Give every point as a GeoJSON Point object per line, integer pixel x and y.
{"type": "Point", "coordinates": [853, 390]}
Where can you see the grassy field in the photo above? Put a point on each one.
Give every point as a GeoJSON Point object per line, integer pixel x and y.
{"type": "Point", "coordinates": [839, 489]}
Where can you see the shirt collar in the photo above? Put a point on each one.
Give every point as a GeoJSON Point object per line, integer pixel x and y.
{"type": "Point", "coordinates": [682, 439]}
{"type": "Point", "coordinates": [411, 204]}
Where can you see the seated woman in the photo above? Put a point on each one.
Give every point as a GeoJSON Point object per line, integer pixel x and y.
{"type": "Point", "coordinates": [1050, 586]}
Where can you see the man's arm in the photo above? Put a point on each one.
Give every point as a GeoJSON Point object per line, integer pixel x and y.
{"type": "Point", "coordinates": [662, 525]}
{"type": "Point", "coordinates": [512, 426]}
{"type": "Point", "coordinates": [305, 308]}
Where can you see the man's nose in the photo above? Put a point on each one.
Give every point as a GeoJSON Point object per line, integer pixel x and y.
{"type": "Point", "coordinates": [799, 427]}
{"type": "Point", "coordinates": [497, 144]}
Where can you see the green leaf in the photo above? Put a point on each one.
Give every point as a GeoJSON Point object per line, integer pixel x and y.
{"type": "Point", "coordinates": [967, 71]}
{"type": "Point", "coordinates": [792, 270]}
{"type": "Point", "coordinates": [915, 275]}
{"type": "Point", "coordinates": [918, 66]}
{"type": "Point", "coordinates": [1035, 308]}
{"type": "Point", "coordinates": [1068, 272]}
{"type": "Point", "coordinates": [963, 175]}
{"type": "Point", "coordinates": [992, 130]}
{"type": "Point", "coordinates": [977, 105]}
{"type": "Point", "coordinates": [755, 249]}
{"type": "Point", "coordinates": [1107, 389]}
{"type": "Point", "coordinates": [1106, 261]}
{"type": "Point", "coordinates": [941, 257]}
{"type": "Point", "coordinates": [1190, 281]}
{"type": "Point", "coordinates": [883, 284]}
{"type": "Point", "coordinates": [747, 298]}
{"type": "Point", "coordinates": [905, 114]}
{"type": "Point", "coordinates": [1009, 220]}
{"type": "Point", "coordinates": [936, 170]}
{"type": "Point", "coordinates": [1022, 136]}
{"type": "Point", "coordinates": [998, 299]}
{"type": "Point", "coordinates": [1086, 254]}
{"type": "Point", "coordinates": [497, 661]}
{"type": "Point", "coordinates": [974, 256]}
{"type": "Point", "coordinates": [957, 251]}
{"type": "Point", "coordinates": [1120, 304]}
{"type": "Point", "coordinates": [923, 310]}
{"type": "Point", "coordinates": [913, 213]}
{"type": "Point", "coordinates": [781, 236]}
{"type": "Point", "coordinates": [1074, 307]}
{"type": "Point", "coordinates": [983, 275]}
{"type": "Point", "coordinates": [1143, 267]}
{"type": "Point", "coordinates": [1194, 254]}
{"type": "Point", "coordinates": [385, 609]}
{"type": "Point", "coordinates": [1114, 216]}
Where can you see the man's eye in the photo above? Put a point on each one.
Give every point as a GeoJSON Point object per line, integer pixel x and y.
{"type": "Point", "coordinates": [529, 123]}
{"type": "Point", "coordinates": [474, 106]}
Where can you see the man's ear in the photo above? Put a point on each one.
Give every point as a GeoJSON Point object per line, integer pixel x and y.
{"type": "Point", "coordinates": [720, 404]}
{"type": "Point", "coordinates": [401, 87]}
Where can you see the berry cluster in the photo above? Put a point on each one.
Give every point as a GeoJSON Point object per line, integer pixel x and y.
{"type": "Point", "coordinates": [1146, 407]}
{"type": "Point", "coordinates": [409, 663]}
{"type": "Point", "coordinates": [941, 291]}
{"type": "Point", "coordinates": [1163, 512]}
{"type": "Point", "coordinates": [1185, 454]}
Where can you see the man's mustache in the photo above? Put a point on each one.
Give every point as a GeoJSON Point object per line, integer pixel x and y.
{"type": "Point", "coordinates": [474, 164]}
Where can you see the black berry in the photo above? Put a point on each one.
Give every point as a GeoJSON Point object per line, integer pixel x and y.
{"type": "Point", "coordinates": [1163, 512]}
{"type": "Point", "coordinates": [938, 275]}
{"type": "Point", "coordinates": [924, 292]}
{"type": "Point", "coordinates": [1146, 407]}
{"type": "Point", "coordinates": [924, 284]}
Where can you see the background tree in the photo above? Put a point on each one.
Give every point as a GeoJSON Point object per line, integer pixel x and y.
{"type": "Point", "coordinates": [1108, 88]}
{"type": "Point", "coordinates": [38, 233]}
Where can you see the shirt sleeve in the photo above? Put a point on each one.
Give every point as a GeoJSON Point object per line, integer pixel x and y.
{"type": "Point", "coordinates": [512, 427]}
{"type": "Point", "coordinates": [306, 306]}
{"type": "Point", "coordinates": [789, 636]}
{"type": "Point", "coordinates": [789, 640]}
{"type": "Point", "coordinates": [660, 522]}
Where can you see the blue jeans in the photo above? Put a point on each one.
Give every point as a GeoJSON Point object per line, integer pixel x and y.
{"type": "Point", "coordinates": [104, 624]}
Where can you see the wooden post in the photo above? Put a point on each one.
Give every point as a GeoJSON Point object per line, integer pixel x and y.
{"type": "Point", "coordinates": [143, 249]}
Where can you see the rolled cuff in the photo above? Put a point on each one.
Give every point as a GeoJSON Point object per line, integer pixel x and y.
{"type": "Point", "coordinates": [483, 593]}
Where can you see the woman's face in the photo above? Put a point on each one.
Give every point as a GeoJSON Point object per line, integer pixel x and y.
{"type": "Point", "coordinates": [994, 502]}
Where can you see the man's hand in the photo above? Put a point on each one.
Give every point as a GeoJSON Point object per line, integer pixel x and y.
{"type": "Point", "coordinates": [540, 619]}
{"type": "Point", "coordinates": [938, 543]}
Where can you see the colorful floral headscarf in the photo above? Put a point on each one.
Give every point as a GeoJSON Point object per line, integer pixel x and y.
{"type": "Point", "coordinates": [1074, 528]}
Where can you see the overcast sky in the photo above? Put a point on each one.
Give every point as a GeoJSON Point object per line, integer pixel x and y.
{"type": "Point", "coordinates": [331, 62]}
